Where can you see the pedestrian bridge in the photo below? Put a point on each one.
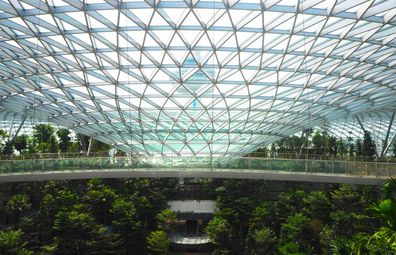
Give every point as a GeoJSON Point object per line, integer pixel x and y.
{"type": "Point", "coordinates": [309, 170]}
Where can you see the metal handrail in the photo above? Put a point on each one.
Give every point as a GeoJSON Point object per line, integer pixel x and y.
{"type": "Point", "coordinates": [356, 168]}
{"type": "Point", "coordinates": [251, 155]}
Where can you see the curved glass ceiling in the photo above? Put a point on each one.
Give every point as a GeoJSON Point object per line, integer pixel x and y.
{"type": "Point", "coordinates": [196, 77]}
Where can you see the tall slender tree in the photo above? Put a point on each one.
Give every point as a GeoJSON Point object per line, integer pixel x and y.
{"type": "Point", "coordinates": [64, 139]}
{"type": "Point", "coordinates": [368, 147]}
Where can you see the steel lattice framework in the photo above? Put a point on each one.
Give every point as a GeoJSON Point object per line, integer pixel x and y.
{"type": "Point", "coordinates": [196, 77]}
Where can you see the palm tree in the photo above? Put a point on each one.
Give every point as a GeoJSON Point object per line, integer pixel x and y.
{"type": "Point", "coordinates": [389, 189]}
{"type": "Point", "coordinates": [386, 212]}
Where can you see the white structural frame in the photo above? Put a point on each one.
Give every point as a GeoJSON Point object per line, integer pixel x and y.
{"type": "Point", "coordinates": [200, 78]}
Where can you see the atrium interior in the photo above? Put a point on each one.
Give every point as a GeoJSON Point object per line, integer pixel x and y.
{"type": "Point", "coordinates": [277, 114]}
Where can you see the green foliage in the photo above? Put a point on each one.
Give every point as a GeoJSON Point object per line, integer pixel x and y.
{"type": "Point", "coordinates": [291, 144]}
{"type": "Point", "coordinates": [42, 133]}
{"type": "Point", "coordinates": [53, 145]}
{"type": "Point", "coordinates": [158, 243]}
{"type": "Point", "coordinates": [21, 142]}
{"type": "Point", "coordinates": [261, 242]}
{"type": "Point", "coordinates": [356, 222]}
{"type": "Point", "coordinates": [7, 148]}
{"type": "Point", "coordinates": [126, 223]}
{"type": "Point", "coordinates": [83, 142]}
{"type": "Point", "coordinates": [3, 135]}
{"type": "Point", "coordinates": [319, 143]}
{"type": "Point", "coordinates": [64, 139]}
{"type": "Point", "coordinates": [386, 211]}
{"type": "Point", "coordinates": [99, 146]}
{"type": "Point", "coordinates": [289, 203]}
{"type": "Point", "coordinates": [11, 243]}
{"type": "Point", "coordinates": [326, 238]}
{"type": "Point", "coordinates": [386, 237]}
{"type": "Point", "coordinates": [295, 228]}
{"type": "Point", "coordinates": [263, 216]}
{"type": "Point", "coordinates": [75, 230]}
{"type": "Point", "coordinates": [219, 232]}
{"type": "Point", "coordinates": [389, 189]}
{"type": "Point", "coordinates": [18, 204]}
{"type": "Point", "coordinates": [346, 198]}
{"type": "Point", "coordinates": [359, 147]}
{"type": "Point", "coordinates": [351, 149]}
{"type": "Point", "coordinates": [99, 198]}
{"type": "Point", "coordinates": [165, 220]}
{"type": "Point", "coordinates": [290, 249]}
{"type": "Point", "coordinates": [317, 205]}
{"type": "Point", "coordinates": [363, 243]}
{"type": "Point", "coordinates": [340, 246]}
{"type": "Point", "coordinates": [130, 217]}
{"type": "Point", "coordinates": [368, 147]}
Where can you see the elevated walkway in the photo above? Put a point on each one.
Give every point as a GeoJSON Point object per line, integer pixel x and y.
{"type": "Point", "coordinates": [309, 170]}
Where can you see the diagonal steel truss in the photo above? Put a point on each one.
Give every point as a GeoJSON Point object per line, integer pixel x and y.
{"type": "Point", "coordinates": [196, 77]}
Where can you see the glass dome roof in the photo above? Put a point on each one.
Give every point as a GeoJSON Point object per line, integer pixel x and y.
{"type": "Point", "coordinates": [196, 77]}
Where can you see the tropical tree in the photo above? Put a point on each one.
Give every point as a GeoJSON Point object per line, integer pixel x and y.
{"type": "Point", "coordinates": [359, 148]}
{"type": "Point", "coordinates": [76, 232]}
{"type": "Point", "coordinates": [291, 248]}
{"type": "Point", "coordinates": [317, 205]}
{"type": "Point", "coordinates": [158, 243]}
{"type": "Point", "coordinates": [53, 144]}
{"type": "Point", "coordinates": [318, 143]}
{"type": "Point", "coordinates": [8, 148]}
{"type": "Point", "coordinates": [346, 198]}
{"type": "Point", "coordinates": [219, 232]}
{"type": "Point", "coordinates": [21, 142]}
{"type": "Point", "coordinates": [340, 246]}
{"type": "Point", "coordinates": [261, 242]}
{"type": "Point", "coordinates": [332, 145]}
{"type": "Point", "coordinates": [11, 243]}
{"type": "Point", "coordinates": [289, 203]}
{"type": "Point", "coordinates": [386, 212]}
{"type": "Point", "coordinates": [43, 132]}
{"type": "Point", "coordinates": [83, 142]}
{"type": "Point", "coordinates": [3, 136]}
{"type": "Point", "coordinates": [99, 198]}
{"type": "Point", "coordinates": [165, 220]}
{"type": "Point", "coordinates": [126, 223]}
{"type": "Point", "coordinates": [368, 147]}
{"type": "Point", "coordinates": [296, 230]}
{"type": "Point", "coordinates": [98, 146]}
{"type": "Point", "coordinates": [18, 204]}
{"type": "Point", "coordinates": [388, 189]}
{"type": "Point", "coordinates": [64, 139]}
{"type": "Point", "coordinates": [356, 222]}
{"type": "Point", "coordinates": [263, 216]}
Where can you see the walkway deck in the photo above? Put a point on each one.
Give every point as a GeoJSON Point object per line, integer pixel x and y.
{"type": "Point", "coordinates": [334, 171]}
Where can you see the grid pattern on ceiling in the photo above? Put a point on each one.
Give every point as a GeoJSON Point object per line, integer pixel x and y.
{"type": "Point", "coordinates": [380, 125]}
{"type": "Point", "coordinates": [196, 77]}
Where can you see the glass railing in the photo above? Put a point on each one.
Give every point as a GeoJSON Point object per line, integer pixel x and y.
{"type": "Point", "coordinates": [357, 168]}
{"type": "Point", "coordinates": [251, 155]}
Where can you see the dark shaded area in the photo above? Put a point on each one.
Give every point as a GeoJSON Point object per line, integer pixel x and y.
{"type": "Point", "coordinates": [129, 216]}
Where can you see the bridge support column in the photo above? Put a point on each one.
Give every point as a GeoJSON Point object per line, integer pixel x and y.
{"type": "Point", "coordinates": [17, 131]}
{"type": "Point", "coordinates": [386, 142]}
{"type": "Point", "coordinates": [89, 146]}
{"type": "Point", "coordinates": [382, 143]}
